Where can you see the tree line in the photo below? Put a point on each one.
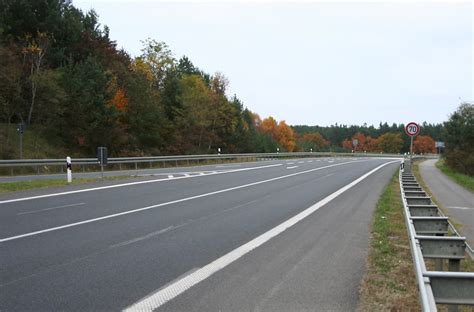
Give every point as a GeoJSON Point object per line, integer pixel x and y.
{"type": "Point", "coordinates": [62, 75]}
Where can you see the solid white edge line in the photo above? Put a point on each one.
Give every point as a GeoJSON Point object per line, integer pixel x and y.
{"type": "Point", "coordinates": [129, 184]}
{"type": "Point", "coordinates": [164, 295]}
{"type": "Point", "coordinates": [164, 204]}
{"type": "Point", "coordinates": [292, 167]}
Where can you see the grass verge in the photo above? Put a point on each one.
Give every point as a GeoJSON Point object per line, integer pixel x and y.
{"type": "Point", "coordinates": [462, 179]}
{"type": "Point", "coordinates": [35, 184]}
{"type": "Point", "coordinates": [389, 282]}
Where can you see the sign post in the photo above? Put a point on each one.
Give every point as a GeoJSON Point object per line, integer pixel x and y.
{"type": "Point", "coordinates": [102, 158]}
{"type": "Point", "coordinates": [69, 169]}
{"type": "Point", "coordinates": [412, 129]}
{"type": "Point", "coordinates": [21, 129]}
{"type": "Point", "coordinates": [355, 142]}
{"type": "Point", "coordinates": [439, 145]}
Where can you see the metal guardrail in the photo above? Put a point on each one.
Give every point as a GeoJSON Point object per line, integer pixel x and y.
{"type": "Point", "coordinates": [85, 162]}
{"type": "Point", "coordinates": [433, 237]}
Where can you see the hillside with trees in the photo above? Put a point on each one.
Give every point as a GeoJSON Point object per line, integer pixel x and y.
{"type": "Point", "coordinates": [64, 77]}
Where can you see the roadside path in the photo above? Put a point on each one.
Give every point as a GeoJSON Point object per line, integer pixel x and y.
{"type": "Point", "coordinates": [457, 201]}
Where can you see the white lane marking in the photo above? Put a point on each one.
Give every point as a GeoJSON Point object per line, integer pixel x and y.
{"type": "Point", "coordinates": [170, 176]}
{"type": "Point", "coordinates": [227, 166]}
{"type": "Point", "coordinates": [47, 209]}
{"type": "Point", "coordinates": [165, 204]}
{"type": "Point", "coordinates": [187, 175]}
{"type": "Point", "coordinates": [149, 235]}
{"type": "Point", "coordinates": [290, 163]}
{"type": "Point", "coordinates": [462, 208]}
{"type": "Point", "coordinates": [292, 167]}
{"type": "Point", "coordinates": [129, 184]}
{"type": "Point", "coordinates": [300, 162]}
{"type": "Point", "coordinates": [173, 290]}
{"type": "Point", "coordinates": [310, 161]}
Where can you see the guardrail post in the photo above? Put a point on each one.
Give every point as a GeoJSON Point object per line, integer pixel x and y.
{"type": "Point", "coordinates": [439, 262]}
{"type": "Point", "coordinates": [454, 265]}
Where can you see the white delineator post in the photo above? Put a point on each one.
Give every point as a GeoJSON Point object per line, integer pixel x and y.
{"type": "Point", "coordinates": [69, 169]}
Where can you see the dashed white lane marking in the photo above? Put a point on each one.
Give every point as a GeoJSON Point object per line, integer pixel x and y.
{"type": "Point", "coordinates": [165, 294]}
{"type": "Point", "coordinates": [166, 203]}
{"type": "Point", "coordinates": [290, 163]}
{"type": "Point", "coordinates": [52, 208]}
{"type": "Point", "coordinates": [143, 237]}
{"type": "Point", "coordinates": [300, 162]}
{"type": "Point", "coordinates": [129, 184]}
{"type": "Point", "coordinates": [292, 167]}
{"type": "Point", "coordinates": [170, 176]}
{"type": "Point", "coordinates": [461, 208]}
{"type": "Point", "coordinates": [310, 161]}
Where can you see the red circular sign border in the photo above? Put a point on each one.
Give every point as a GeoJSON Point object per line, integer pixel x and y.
{"type": "Point", "coordinates": [412, 123]}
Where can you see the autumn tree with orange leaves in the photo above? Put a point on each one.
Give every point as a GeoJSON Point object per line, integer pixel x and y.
{"type": "Point", "coordinates": [357, 143]}
{"type": "Point", "coordinates": [313, 141]}
{"type": "Point", "coordinates": [280, 132]}
{"type": "Point", "coordinates": [386, 143]}
{"type": "Point", "coordinates": [424, 144]}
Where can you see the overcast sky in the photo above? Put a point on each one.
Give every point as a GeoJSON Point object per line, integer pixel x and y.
{"type": "Point", "coordinates": [316, 63]}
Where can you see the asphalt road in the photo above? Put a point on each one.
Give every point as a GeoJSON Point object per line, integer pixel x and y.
{"type": "Point", "coordinates": [281, 235]}
{"type": "Point", "coordinates": [458, 201]}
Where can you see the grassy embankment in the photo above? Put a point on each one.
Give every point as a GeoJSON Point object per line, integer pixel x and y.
{"type": "Point", "coordinates": [462, 179]}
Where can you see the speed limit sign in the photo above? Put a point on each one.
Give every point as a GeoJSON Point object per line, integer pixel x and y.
{"type": "Point", "coordinates": [412, 129]}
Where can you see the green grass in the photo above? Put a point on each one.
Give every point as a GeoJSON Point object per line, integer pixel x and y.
{"type": "Point", "coordinates": [390, 279]}
{"type": "Point", "coordinates": [462, 179]}
{"type": "Point", "coordinates": [36, 143]}
{"type": "Point", "coordinates": [35, 184]}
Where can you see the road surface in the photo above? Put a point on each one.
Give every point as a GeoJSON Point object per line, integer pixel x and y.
{"type": "Point", "coordinates": [457, 201]}
{"type": "Point", "coordinates": [274, 236]}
